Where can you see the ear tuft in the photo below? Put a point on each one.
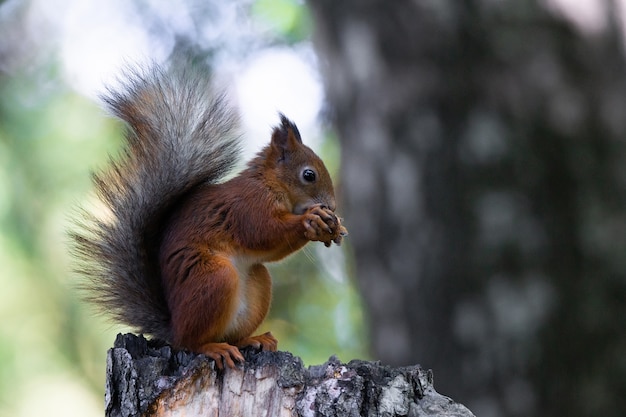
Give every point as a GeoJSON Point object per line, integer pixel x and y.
{"type": "Point", "coordinates": [287, 134]}
{"type": "Point", "coordinates": [290, 127]}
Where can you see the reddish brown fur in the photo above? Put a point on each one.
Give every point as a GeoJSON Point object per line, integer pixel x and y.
{"type": "Point", "coordinates": [223, 232]}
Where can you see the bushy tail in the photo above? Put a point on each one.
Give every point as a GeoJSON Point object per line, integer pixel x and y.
{"type": "Point", "coordinates": [181, 134]}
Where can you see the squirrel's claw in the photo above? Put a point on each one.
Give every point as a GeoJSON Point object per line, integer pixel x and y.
{"type": "Point", "coordinates": [223, 353]}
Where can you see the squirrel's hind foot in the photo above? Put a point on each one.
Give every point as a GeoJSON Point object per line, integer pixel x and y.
{"type": "Point", "coordinates": [265, 341]}
{"type": "Point", "coordinates": [222, 354]}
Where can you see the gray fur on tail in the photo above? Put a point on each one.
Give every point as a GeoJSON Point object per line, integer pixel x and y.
{"type": "Point", "coordinates": [181, 134]}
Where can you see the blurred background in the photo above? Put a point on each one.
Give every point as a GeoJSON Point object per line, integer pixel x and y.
{"type": "Point", "coordinates": [478, 147]}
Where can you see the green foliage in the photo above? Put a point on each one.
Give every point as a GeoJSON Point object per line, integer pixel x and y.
{"type": "Point", "coordinates": [49, 138]}
{"type": "Point", "coordinates": [289, 18]}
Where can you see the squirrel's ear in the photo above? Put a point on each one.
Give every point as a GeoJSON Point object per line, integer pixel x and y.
{"type": "Point", "coordinates": [286, 137]}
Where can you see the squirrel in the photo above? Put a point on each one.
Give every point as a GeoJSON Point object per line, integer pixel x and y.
{"type": "Point", "coordinates": [179, 252]}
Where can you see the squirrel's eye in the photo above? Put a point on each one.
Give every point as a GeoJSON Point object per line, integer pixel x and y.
{"type": "Point", "coordinates": [308, 175]}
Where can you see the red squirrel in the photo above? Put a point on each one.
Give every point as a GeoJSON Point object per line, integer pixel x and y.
{"type": "Point", "coordinates": [179, 252]}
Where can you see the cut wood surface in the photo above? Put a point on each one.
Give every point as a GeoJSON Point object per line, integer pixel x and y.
{"type": "Point", "coordinates": [150, 378]}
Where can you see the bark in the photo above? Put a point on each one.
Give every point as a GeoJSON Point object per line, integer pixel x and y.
{"type": "Point", "coordinates": [150, 378]}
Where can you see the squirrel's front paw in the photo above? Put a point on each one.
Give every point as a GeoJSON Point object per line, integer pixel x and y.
{"type": "Point", "coordinates": [321, 224]}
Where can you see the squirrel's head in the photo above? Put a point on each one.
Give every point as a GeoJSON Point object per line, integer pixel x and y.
{"type": "Point", "coordinates": [298, 170]}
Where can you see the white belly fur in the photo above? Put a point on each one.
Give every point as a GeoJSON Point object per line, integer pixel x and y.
{"type": "Point", "coordinates": [243, 266]}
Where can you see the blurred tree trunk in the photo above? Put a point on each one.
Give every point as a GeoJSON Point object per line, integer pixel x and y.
{"type": "Point", "coordinates": [484, 186]}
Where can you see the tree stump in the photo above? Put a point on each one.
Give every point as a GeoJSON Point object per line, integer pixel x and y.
{"type": "Point", "coordinates": [150, 378]}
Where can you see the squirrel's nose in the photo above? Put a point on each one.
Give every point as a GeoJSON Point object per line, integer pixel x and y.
{"type": "Point", "coordinates": [330, 203]}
